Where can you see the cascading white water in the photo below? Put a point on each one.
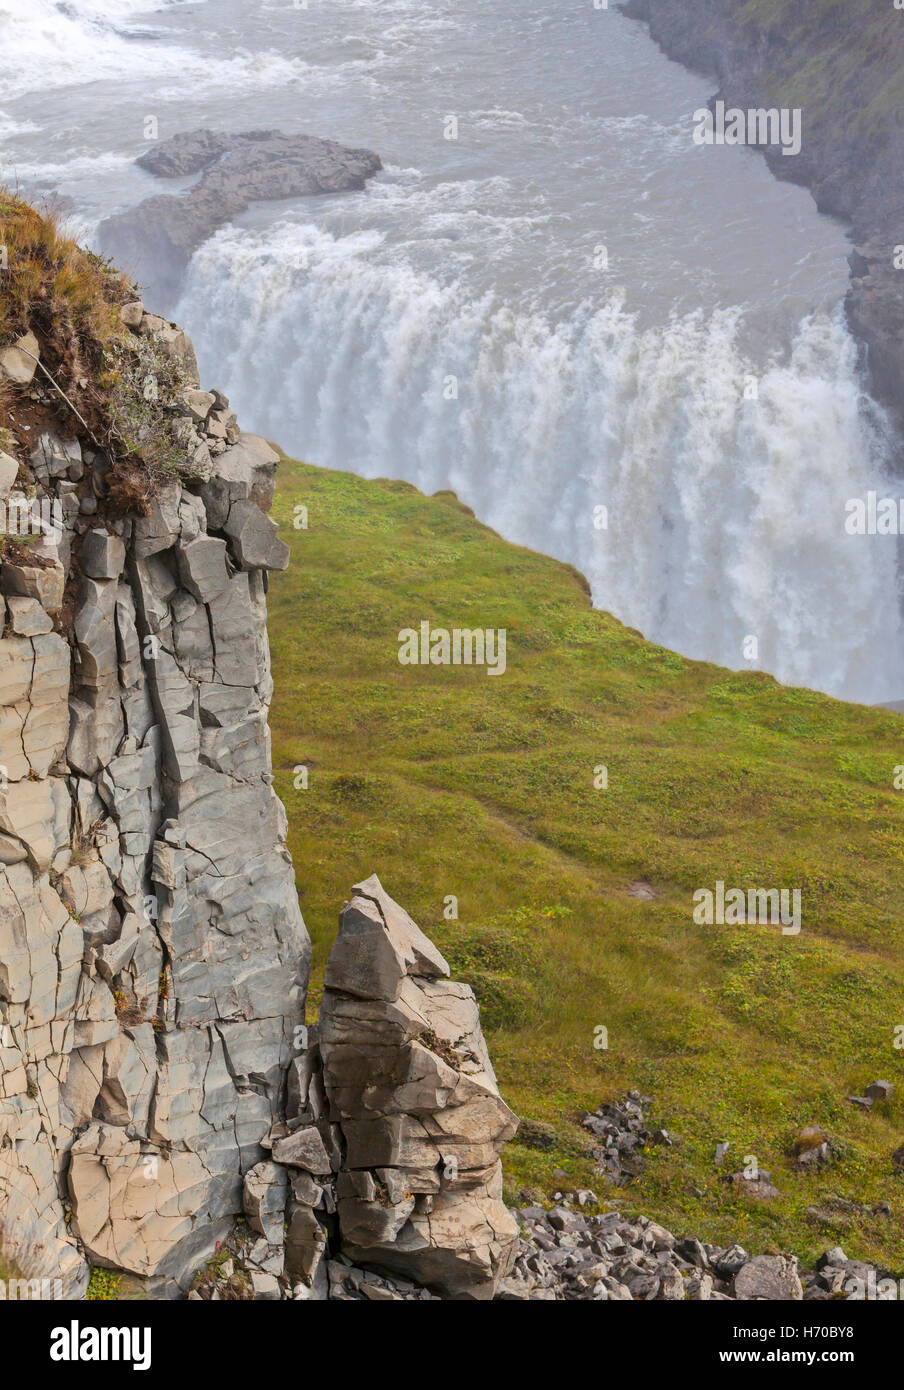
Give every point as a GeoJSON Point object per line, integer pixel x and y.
{"type": "Point", "coordinates": [725, 515]}
{"type": "Point", "coordinates": [62, 43]}
{"type": "Point", "coordinates": [547, 233]}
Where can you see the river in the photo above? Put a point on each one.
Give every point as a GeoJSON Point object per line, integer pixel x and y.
{"type": "Point", "coordinates": [552, 300]}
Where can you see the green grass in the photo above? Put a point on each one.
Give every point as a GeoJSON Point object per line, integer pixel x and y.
{"type": "Point", "coordinates": [445, 781]}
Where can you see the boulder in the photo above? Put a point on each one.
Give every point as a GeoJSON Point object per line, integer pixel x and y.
{"type": "Point", "coordinates": [255, 538]}
{"type": "Point", "coordinates": [28, 617]}
{"type": "Point", "coordinates": [303, 1149]}
{"type": "Point", "coordinates": [202, 567]}
{"type": "Point", "coordinates": [379, 946]}
{"type": "Point", "coordinates": [102, 555]}
{"type": "Point", "coordinates": [20, 362]}
{"type": "Point", "coordinates": [264, 1199]}
{"type": "Point", "coordinates": [200, 403]}
{"type": "Point", "coordinates": [160, 529]}
{"type": "Point", "coordinates": [44, 581]}
{"type": "Point", "coordinates": [158, 237]}
{"type": "Point", "coordinates": [306, 1245]}
{"type": "Point", "coordinates": [265, 1286]}
{"type": "Point", "coordinates": [132, 314]}
{"type": "Point", "coordinates": [768, 1277]}
{"type": "Point", "coordinates": [9, 468]}
{"type": "Point", "coordinates": [246, 472]}
{"type": "Point", "coordinates": [761, 1186]}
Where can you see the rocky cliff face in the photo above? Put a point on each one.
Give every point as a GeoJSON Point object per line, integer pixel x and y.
{"type": "Point", "coordinates": [156, 1076]}
{"type": "Point", "coordinates": [153, 957]}
{"type": "Point", "coordinates": [841, 65]}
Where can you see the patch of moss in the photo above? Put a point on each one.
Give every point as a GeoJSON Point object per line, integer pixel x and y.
{"type": "Point", "coordinates": [103, 1286]}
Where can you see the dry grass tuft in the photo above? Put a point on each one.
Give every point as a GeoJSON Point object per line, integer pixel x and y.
{"type": "Point", "coordinates": [68, 296]}
{"type": "Point", "coordinates": [121, 390]}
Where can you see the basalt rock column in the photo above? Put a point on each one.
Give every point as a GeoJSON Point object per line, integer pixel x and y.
{"type": "Point", "coordinates": [410, 1083]}
{"type": "Point", "coordinates": [153, 959]}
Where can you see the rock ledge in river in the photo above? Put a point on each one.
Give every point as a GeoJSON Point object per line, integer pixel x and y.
{"type": "Point", "coordinates": [157, 238]}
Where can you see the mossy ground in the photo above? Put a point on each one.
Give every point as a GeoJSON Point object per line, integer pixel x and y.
{"type": "Point", "coordinates": [854, 71]}
{"type": "Point", "coordinates": [104, 1285]}
{"type": "Point", "coordinates": [445, 781]}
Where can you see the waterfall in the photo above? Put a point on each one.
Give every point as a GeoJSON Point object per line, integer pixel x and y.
{"type": "Point", "coordinates": [724, 514]}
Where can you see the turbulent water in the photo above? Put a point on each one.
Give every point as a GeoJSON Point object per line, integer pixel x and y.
{"type": "Point", "coordinates": [568, 307]}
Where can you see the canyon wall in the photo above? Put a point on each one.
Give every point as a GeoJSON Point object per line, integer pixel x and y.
{"type": "Point", "coordinates": [841, 65]}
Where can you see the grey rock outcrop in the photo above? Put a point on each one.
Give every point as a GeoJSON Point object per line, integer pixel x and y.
{"type": "Point", "coordinates": [153, 958]}
{"type": "Point", "coordinates": [384, 1179]}
{"type": "Point", "coordinates": [412, 1090]}
{"type": "Point", "coordinates": [159, 236]}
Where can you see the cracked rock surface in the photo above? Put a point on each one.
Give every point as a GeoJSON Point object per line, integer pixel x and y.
{"type": "Point", "coordinates": [411, 1088]}
{"type": "Point", "coordinates": [384, 1181]}
{"type": "Point", "coordinates": [153, 958]}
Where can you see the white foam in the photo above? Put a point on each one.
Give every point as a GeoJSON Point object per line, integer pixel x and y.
{"type": "Point", "coordinates": [46, 44]}
{"type": "Point", "coordinates": [43, 44]}
{"type": "Point", "coordinates": [10, 127]}
{"type": "Point", "coordinates": [80, 166]}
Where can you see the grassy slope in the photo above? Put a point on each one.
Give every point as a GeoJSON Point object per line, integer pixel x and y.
{"type": "Point", "coordinates": [446, 781]}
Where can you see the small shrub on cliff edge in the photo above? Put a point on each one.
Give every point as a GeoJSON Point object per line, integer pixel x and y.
{"type": "Point", "coordinates": [125, 389]}
{"type": "Point", "coordinates": [140, 379]}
